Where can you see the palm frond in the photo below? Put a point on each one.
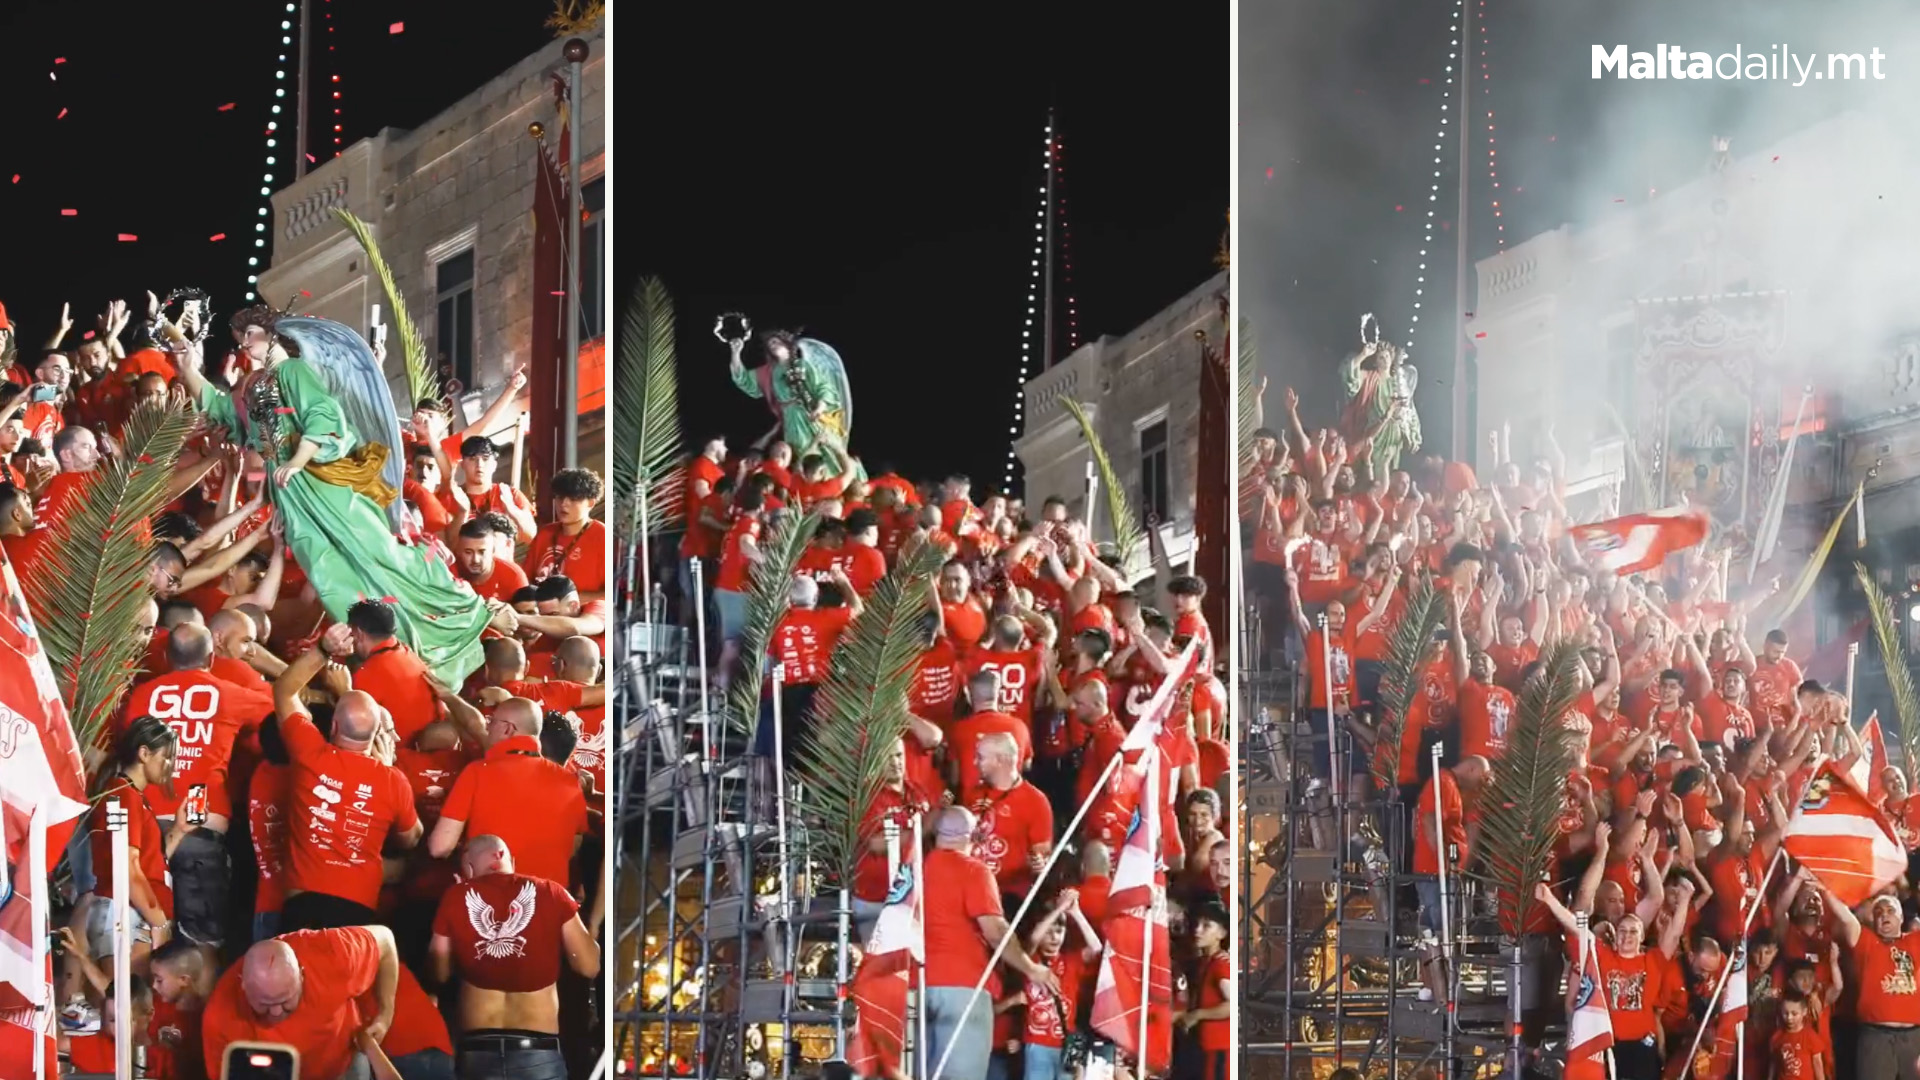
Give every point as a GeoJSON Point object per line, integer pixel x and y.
{"type": "Point", "coordinates": [423, 382]}
{"type": "Point", "coordinates": [1247, 376]}
{"type": "Point", "coordinates": [95, 573]}
{"type": "Point", "coordinates": [1407, 647]}
{"type": "Point", "coordinates": [769, 595]}
{"type": "Point", "coordinates": [1521, 807]}
{"type": "Point", "coordinates": [1129, 540]}
{"type": "Point", "coordinates": [1906, 704]}
{"type": "Point", "coordinates": [646, 410]}
{"type": "Point", "coordinates": [860, 711]}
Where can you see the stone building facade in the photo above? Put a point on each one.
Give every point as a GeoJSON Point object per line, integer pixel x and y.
{"type": "Point", "coordinates": [1141, 390]}
{"type": "Point", "coordinates": [452, 207]}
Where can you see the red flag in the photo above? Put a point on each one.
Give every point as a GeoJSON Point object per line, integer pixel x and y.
{"type": "Point", "coordinates": [1637, 542]}
{"type": "Point", "coordinates": [1136, 971]}
{"type": "Point", "coordinates": [1589, 1023]}
{"type": "Point", "coordinates": [879, 988]}
{"type": "Point", "coordinates": [42, 792]}
{"type": "Point", "coordinates": [1866, 772]}
{"type": "Point", "coordinates": [1845, 840]}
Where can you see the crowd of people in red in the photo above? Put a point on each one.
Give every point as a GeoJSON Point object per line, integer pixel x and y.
{"type": "Point", "coordinates": [328, 847]}
{"type": "Point", "coordinates": [1037, 659]}
{"type": "Point", "coordinates": [1694, 737]}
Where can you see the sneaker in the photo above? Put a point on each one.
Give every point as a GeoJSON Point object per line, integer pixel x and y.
{"type": "Point", "coordinates": [79, 1018]}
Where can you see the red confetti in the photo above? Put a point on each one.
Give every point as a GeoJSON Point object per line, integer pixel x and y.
{"type": "Point", "coordinates": [311, 159]}
{"type": "Point", "coordinates": [59, 59]}
{"type": "Point", "coordinates": [558, 292]}
{"type": "Point", "coordinates": [397, 28]}
{"type": "Point", "coordinates": [1481, 334]}
{"type": "Point", "coordinates": [1619, 200]}
{"type": "Point", "coordinates": [145, 459]}
{"type": "Point", "coordinates": [1397, 207]}
{"type": "Point", "coordinates": [217, 237]}
{"type": "Point", "coordinates": [1776, 157]}
{"type": "Point", "coordinates": [1426, 82]}
{"type": "Point", "coordinates": [306, 294]}
{"type": "Point", "coordinates": [127, 238]}
{"type": "Point", "coordinates": [62, 116]}
{"type": "Point", "coordinates": [228, 106]}
{"type": "Point", "coordinates": [88, 336]}
{"type": "Point", "coordinates": [1269, 172]}
{"type": "Point", "coordinates": [69, 213]}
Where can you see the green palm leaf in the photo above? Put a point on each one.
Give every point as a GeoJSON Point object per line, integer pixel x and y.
{"type": "Point", "coordinates": [95, 578]}
{"type": "Point", "coordinates": [1408, 644]}
{"type": "Point", "coordinates": [423, 384]}
{"type": "Point", "coordinates": [646, 409]}
{"type": "Point", "coordinates": [1521, 807]}
{"type": "Point", "coordinates": [860, 712]}
{"type": "Point", "coordinates": [1906, 704]}
{"type": "Point", "coordinates": [769, 596]}
{"type": "Point", "coordinates": [1129, 541]}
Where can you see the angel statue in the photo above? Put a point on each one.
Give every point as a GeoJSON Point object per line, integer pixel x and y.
{"type": "Point", "coordinates": [323, 420]}
{"type": "Point", "coordinates": [1379, 415]}
{"type": "Point", "coordinates": [804, 385]}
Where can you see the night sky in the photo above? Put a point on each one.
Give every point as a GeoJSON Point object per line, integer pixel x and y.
{"type": "Point", "coordinates": [1340, 102]}
{"type": "Point", "coordinates": [882, 196]}
{"type": "Point", "coordinates": [145, 149]}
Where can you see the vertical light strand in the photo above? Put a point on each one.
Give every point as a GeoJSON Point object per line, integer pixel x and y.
{"type": "Point", "coordinates": [1433, 193]}
{"type": "Point", "coordinates": [1034, 300]}
{"type": "Point", "coordinates": [265, 214]}
{"type": "Point", "coordinates": [333, 80]}
{"type": "Point", "coordinates": [1493, 152]}
{"type": "Point", "coordinates": [1066, 241]}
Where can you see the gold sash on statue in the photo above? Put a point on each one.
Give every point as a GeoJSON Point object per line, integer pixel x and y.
{"type": "Point", "coordinates": [359, 471]}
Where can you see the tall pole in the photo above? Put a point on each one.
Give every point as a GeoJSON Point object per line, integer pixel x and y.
{"type": "Point", "coordinates": [576, 53]}
{"type": "Point", "coordinates": [1463, 439]}
{"type": "Point", "coordinates": [300, 106]}
{"type": "Point", "coordinates": [1046, 291]}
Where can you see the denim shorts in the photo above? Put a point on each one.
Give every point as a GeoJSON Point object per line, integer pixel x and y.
{"type": "Point", "coordinates": [732, 608]}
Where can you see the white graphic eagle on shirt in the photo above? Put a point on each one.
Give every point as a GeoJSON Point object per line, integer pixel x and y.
{"type": "Point", "coordinates": [500, 940]}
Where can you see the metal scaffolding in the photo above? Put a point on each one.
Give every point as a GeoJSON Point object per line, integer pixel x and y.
{"type": "Point", "coordinates": [727, 964]}
{"type": "Point", "coordinates": [1329, 944]}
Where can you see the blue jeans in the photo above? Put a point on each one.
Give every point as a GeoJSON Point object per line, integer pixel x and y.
{"type": "Point", "coordinates": [200, 878]}
{"type": "Point", "coordinates": [1045, 1063]}
{"type": "Point", "coordinates": [972, 1041]}
{"type": "Point", "coordinates": [732, 608]}
{"type": "Point", "coordinates": [999, 1066]}
{"type": "Point", "coordinates": [427, 1065]}
{"type": "Point", "coordinates": [512, 1065]}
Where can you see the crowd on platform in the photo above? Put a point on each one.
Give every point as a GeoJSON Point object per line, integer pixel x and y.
{"type": "Point", "coordinates": [1037, 660]}
{"type": "Point", "coordinates": [1693, 739]}
{"type": "Point", "coordinates": [329, 846]}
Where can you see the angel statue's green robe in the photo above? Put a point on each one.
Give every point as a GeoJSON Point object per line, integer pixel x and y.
{"type": "Point", "coordinates": [809, 395]}
{"type": "Point", "coordinates": [333, 516]}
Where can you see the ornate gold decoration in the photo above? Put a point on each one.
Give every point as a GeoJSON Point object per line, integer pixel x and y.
{"type": "Point", "coordinates": [571, 17]}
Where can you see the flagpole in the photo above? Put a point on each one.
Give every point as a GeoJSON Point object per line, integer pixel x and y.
{"type": "Point", "coordinates": [44, 1012]}
{"type": "Point", "coordinates": [122, 944]}
{"type": "Point", "coordinates": [1777, 499]}
{"type": "Point", "coordinates": [786, 893]}
{"type": "Point", "coordinates": [920, 927]}
{"type": "Point", "coordinates": [1153, 904]}
{"type": "Point", "coordinates": [1740, 1050]}
{"type": "Point", "coordinates": [1446, 919]}
{"type": "Point", "coordinates": [1157, 704]}
{"type": "Point", "coordinates": [1853, 657]}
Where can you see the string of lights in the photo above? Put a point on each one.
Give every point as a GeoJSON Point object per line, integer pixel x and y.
{"type": "Point", "coordinates": [1036, 285]}
{"type": "Point", "coordinates": [1493, 163]}
{"type": "Point", "coordinates": [1433, 194]}
{"type": "Point", "coordinates": [333, 79]}
{"type": "Point", "coordinates": [1066, 241]}
{"type": "Point", "coordinates": [265, 213]}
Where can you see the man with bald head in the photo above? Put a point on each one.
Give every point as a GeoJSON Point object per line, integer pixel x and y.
{"type": "Point", "coordinates": [329, 994]}
{"type": "Point", "coordinates": [504, 933]}
{"type": "Point", "coordinates": [236, 646]}
{"type": "Point", "coordinates": [514, 793]}
{"type": "Point", "coordinates": [208, 714]}
{"type": "Point", "coordinates": [345, 807]}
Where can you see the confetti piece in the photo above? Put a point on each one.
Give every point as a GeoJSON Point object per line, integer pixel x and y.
{"type": "Point", "coordinates": [397, 28]}
{"type": "Point", "coordinates": [127, 238]}
{"type": "Point", "coordinates": [88, 336]}
{"type": "Point", "coordinates": [1397, 207]}
{"type": "Point", "coordinates": [217, 237]}
{"type": "Point", "coordinates": [306, 294]}
{"type": "Point", "coordinates": [1619, 200]}
{"type": "Point", "coordinates": [1426, 82]}
{"type": "Point", "coordinates": [1481, 334]}
{"type": "Point", "coordinates": [1552, 138]}
{"type": "Point", "coordinates": [1776, 157]}
{"type": "Point", "coordinates": [227, 107]}
{"type": "Point", "coordinates": [69, 213]}
{"type": "Point", "coordinates": [1269, 172]}
{"type": "Point", "coordinates": [62, 116]}
{"type": "Point", "coordinates": [310, 158]}
{"type": "Point", "coordinates": [55, 77]}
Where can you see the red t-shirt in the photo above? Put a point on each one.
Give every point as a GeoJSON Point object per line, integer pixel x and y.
{"type": "Point", "coordinates": [936, 685]}
{"type": "Point", "coordinates": [1795, 1051]}
{"type": "Point", "coordinates": [337, 968]}
{"type": "Point", "coordinates": [1215, 1035]}
{"type": "Point", "coordinates": [803, 642]}
{"type": "Point", "coordinates": [966, 623]}
{"type": "Point", "coordinates": [1331, 649]}
{"type": "Point", "coordinates": [417, 1023]}
{"type": "Point", "coordinates": [267, 827]}
{"type": "Point", "coordinates": [733, 565]}
{"type": "Point", "coordinates": [343, 805]}
{"type": "Point", "coordinates": [1486, 712]}
{"type": "Point", "coordinates": [1442, 787]}
{"type": "Point", "coordinates": [1634, 988]}
{"type": "Point", "coordinates": [1884, 973]}
{"type": "Point", "coordinates": [430, 775]}
{"type": "Point", "coordinates": [1049, 1015]}
{"type": "Point", "coordinates": [1019, 677]}
{"type": "Point", "coordinates": [871, 881]}
{"type": "Point", "coordinates": [397, 679]}
{"type": "Point", "coordinates": [964, 735]}
{"type": "Point", "coordinates": [143, 833]}
{"type": "Point", "coordinates": [502, 581]}
{"type": "Point", "coordinates": [1724, 721]}
{"type": "Point", "coordinates": [534, 805]}
{"type": "Point", "coordinates": [581, 558]}
{"type": "Point", "coordinates": [506, 930]}
{"type": "Point", "coordinates": [960, 891]}
{"type": "Point", "coordinates": [1008, 826]}
{"type": "Point", "coordinates": [207, 714]}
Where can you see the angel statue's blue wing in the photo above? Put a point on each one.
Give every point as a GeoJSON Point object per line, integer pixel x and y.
{"type": "Point", "coordinates": [345, 361]}
{"type": "Point", "coordinates": [821, 354]}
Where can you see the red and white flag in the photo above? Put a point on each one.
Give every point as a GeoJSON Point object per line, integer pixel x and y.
{"type": "Point", "coordinates": [1637, 542]}
{"type": "Point", "coordinates": [42, 793]}
{"type": "Point", "coordinates": [879, 988]}
{"type": "Point", "coordinates": [1135, 990]}
{"type": "Point", "coordinates": [1589, 1023]}
{"type": "Point", "coordinates": [1727, 1044]}
{"type": "Point", "coordinates": [1843, 838]}
{"type": "Point", "coordinates": [1866, 772]}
